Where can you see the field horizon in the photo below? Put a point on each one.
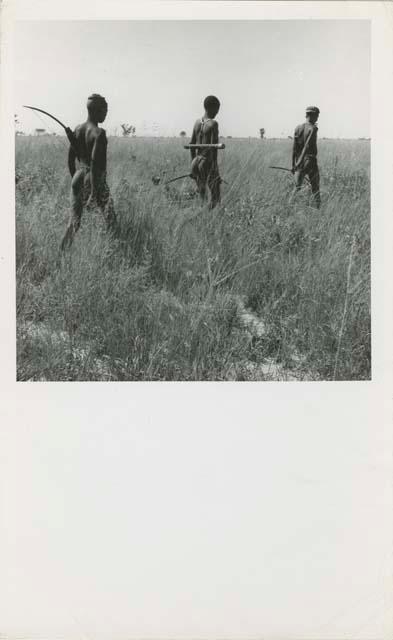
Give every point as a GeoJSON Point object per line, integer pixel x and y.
{"type": "Point", "coordinates": [130, 138]}
{"type": "Point", "coordinates": [260, 288]}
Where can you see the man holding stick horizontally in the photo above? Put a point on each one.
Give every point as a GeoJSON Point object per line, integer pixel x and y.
{"type": "Point", "coordinates": [204, 168]}
{"type": "Point", "coordinates": [304, 154]}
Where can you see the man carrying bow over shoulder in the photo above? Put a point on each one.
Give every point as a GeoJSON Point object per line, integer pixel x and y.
{"type": "Point", "coordinates": [89, 187]}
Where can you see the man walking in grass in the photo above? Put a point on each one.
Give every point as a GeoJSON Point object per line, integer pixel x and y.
{"type": "Point", "coordinates": [89, 187]}
{"type": "Point", "coordinates": [304, 154]}
{"type": "Point", "coordinates": [204, 167]}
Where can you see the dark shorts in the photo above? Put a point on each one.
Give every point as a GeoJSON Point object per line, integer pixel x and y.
{"type": "Point", "coordinates": [310, 169]}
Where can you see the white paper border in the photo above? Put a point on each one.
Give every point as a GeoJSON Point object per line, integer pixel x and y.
{"type": "Point", "coordinates": [42, 407]}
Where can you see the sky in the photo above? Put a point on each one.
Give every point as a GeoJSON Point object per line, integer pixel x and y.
{"type": "Point", "coordinates": [156, 74]}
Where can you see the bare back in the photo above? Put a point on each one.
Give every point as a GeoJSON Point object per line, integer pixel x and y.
{"type": "Point", "coordinates": [205, 132]}
{"type": "Point", "coordinates": [92, 144]}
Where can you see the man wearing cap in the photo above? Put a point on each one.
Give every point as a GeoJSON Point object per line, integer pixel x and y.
{"type": "Point", "coordinates": [89, 186]}
{"type": "Point", "coordinates": [304, 154]}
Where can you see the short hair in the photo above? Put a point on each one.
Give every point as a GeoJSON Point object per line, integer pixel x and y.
{"type": "Point", "coordinates": [95, 100]}
{"type": "Point", "coordinates": [211, 102]}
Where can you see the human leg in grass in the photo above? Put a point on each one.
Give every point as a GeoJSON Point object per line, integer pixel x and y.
{"type": "Point", "coordinates": [308, 170]}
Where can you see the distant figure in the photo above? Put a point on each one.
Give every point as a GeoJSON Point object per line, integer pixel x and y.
{"type": "Point", "coordinates": [204, 167]}
{"type": "Point", "coordinates": [304, 154]}
{"type": "Point", "coordinates": [89, 187]}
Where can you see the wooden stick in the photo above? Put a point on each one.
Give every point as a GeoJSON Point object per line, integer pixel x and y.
{"type": "Point", "coordinates": [205, 146]}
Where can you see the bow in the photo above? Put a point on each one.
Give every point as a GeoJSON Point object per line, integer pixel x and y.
{"type": "Point", "coordinates": [282, 168]}
{"type": "Point", "coordinates": [156, 179]}
{"type": "Point", "coordinates": [285, 169]}
{"type": "Point", "coordinates": [69, 133]}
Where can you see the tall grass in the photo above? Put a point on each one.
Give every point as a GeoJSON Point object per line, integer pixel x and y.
{"type": "Point", "coordinates": [160, 300]}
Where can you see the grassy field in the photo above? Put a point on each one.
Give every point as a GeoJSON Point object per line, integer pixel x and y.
{"type": "Point", "coordinates": [258, 289]}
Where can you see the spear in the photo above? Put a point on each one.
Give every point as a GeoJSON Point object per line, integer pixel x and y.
{"type": "Point", "coordinates": [186, 175]}
{"type": "Point", "coordinates": [220, 145]}
{"type": "Point", "coordinates": [156, 179]}
{"type": "Point", "coordinates": [69, 133]}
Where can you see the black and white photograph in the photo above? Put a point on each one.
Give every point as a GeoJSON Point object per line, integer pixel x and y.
{"type": "Point", "coordinates": [196, 192]}
{"type": "Point", "coordinates": [189, 212]}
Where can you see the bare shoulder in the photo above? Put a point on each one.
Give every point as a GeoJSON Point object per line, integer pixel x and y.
{"type": "Point", "coordinates": [212, 124]}
{"type": "Point", "coordinates": [299, 129]}
{"type": "Point", "coordinates": [80, 128]}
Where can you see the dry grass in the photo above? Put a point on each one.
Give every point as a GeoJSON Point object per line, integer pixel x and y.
{"type": "Point", "coordinates": [160, 301]}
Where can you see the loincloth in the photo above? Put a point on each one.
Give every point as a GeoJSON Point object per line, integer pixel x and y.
{"type": "Point", "coordinates": [82, 185]}
{"type": "Point", "coordinates": [202, 167]}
